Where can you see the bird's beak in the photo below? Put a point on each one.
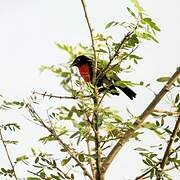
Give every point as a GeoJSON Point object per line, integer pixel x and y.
{"type": "Point", "coordinates": [73, 64]}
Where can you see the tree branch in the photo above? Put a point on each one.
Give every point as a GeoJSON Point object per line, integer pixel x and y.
{"type": "Point", "coordinates": [169, 113]}
{"type": "Point", "coordinates": [99, 175]}
{"type": "Point", "coordinates": [166, 153]}
{"type": "Point", "coordinates": [8, 155]}
{"type": "Point", "coordinates": [92, 40]}
{"type": "Point", "coordinates": [137, 124]}
{"type": "Point", "coordinates": [56, 96]}
{"type": "Point", "coordinates": [90, 159]}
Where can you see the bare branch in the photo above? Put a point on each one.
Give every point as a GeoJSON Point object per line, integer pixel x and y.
{"type": "Point", "coordinates": [92, 40]}
{"type": "Point", "coordinates": [58, 97]}
{"type": "Point", "coordinates": [137, 124]}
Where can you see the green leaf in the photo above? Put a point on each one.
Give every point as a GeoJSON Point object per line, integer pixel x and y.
{"type": "Point", "coordinates": [47, 138]}
{"type": "Point", "coordinates": [75, 134]}
{"type": "Point", "coordinates": [146, 35]}
{"type": "Point", "coordinates": [149, 125]}
{"type": "Point", "coordinates": [178, 80]}
{"type": "Point", "coordinates": [101, 50]}
{"type": "Point", "coordinates": [157, 123]}
{"type": "Point", "coordinates": [141, 83]}
{"type": "Point", "coordinates": [133, 56]}
{"type": "Point", "coordinates": [152, 173]}
{"type": "Point", "coordinates": [137, 5]}
{"type": "Point", "coordinates": [162, 122]}
{"type": "Point", "coordinates": [11, 126]}
{"type": "Point", "coordinates": [140, 149]}
{"type": "Point", "coordinates": [177, 98]}
{"type": "Point", "coordinates": [33, 178]}
{"type": "Point", "coordinates": [3, 170]}
{"type": "Point", "coordinates": [163, 79]}
{"type": "Point", "coordinates": [55, 177]}
{"type": "Point", "coordinates": [21, 158]}
{"type": "Point", "coordinates": [33, 151]}
{"type": "Point", "coordinates": [81, 157]}
{"type": "Point", "coordinates": [111, 24]}
{"type": "Point", "coordinates": [65, 47]}
{"type": "Point", "coordinates": [124, 83]}
{"type": "Point", "coordinates": [151, 23]}
{"type": "Point", "coordinates": [130, 11]}
{"type": "Point", "coordinates": [65, 161]}
{"type": "Point", "coordinates": [132, 41]}
{"type": "Point", "coordinates": [65, 74]}
{"type": "Point", "coordinates": [61, 176]}
{"type": "Point", "coordinates": [101, 37]}
{"type": "Point", "coordinates": [149, 161]}
{"type": "Point", "coordinates": [36, 160]}
{"type": "Point", "coordinates": [145, 162]}
{"type": "Point", "coordinates": [149, 36]}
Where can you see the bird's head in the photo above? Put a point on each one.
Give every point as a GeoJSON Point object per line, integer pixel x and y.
{"type": "Point", "coordinates": [81, 60]}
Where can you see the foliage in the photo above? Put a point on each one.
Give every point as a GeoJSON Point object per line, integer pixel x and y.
{"type": "Point", "coordinates": [79, 134]}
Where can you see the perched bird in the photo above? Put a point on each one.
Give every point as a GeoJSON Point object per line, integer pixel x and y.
{"type": "Point", "coordinates": [85, 66]}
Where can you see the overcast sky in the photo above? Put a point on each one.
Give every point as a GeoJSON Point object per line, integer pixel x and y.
{"type": "Point", "coordinates": [30, 28]}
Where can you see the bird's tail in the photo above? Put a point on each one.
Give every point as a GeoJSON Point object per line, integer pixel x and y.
{"type": "Point", "coordinates": [129, 92]}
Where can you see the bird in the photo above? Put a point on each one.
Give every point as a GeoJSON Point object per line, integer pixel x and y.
{"type": "Point", "coordinates": [108, 84]}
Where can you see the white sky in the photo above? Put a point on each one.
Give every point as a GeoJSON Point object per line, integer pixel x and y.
{"type": "Point", "coordinates": [29, 29]}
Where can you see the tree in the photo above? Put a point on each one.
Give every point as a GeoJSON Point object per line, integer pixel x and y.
{"type": "Point", "coordinates": [90, 134]}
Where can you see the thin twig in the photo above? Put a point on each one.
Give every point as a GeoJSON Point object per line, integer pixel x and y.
{"type": "Point", "coordinates": [92, 40]}
{"type": "Point", "coordinates": [166, 153]}
{"type": "Point", "coordinates": [169, 113]}
{"type": "Point", "coordinates": [171, 168]}
{"type": "Point", "coordinates": [64, 174]}
{"type": "Point", "coordinates": [8, 155]}
{"type": "Point", "coordinates": [56, 96]}
{"type": "Point", "coordinates": [137, 124]}
{"type": "Point", "coordinates": [109, 50]}
{"type": "Point", "coordinates": [36, 174]}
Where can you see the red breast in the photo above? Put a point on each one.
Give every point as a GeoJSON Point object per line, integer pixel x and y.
{"type": "Point", "coordinates": [85, 72]}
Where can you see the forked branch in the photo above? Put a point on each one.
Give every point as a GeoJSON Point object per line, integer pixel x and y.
{"type": "Point", "coordinates": [99, 175]}
{"type": "Point", "coordinates": [137, 124]}
{"type": "Point", "coordinates": [52, 131]}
